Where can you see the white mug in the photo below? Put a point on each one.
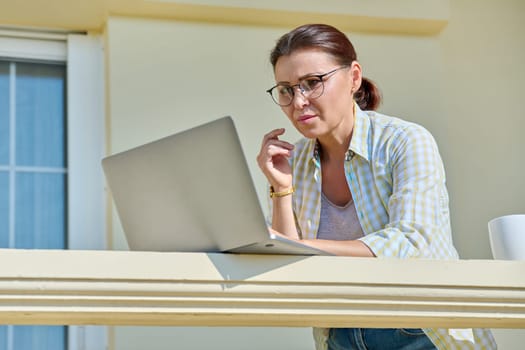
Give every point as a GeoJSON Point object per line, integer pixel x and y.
{"type": "Point", "coordinates": [507, 237]}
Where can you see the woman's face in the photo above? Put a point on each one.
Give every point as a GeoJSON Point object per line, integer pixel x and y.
{"type": "Point", "coordinates": [330, 114]}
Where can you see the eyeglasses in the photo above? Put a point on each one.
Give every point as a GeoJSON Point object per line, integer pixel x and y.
{"type": "Point", "coordinates": [310, 87]}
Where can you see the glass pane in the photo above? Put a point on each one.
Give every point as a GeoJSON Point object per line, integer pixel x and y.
{"type": "Point", "coordinates": [3, 337]}
{"type": "Point", "coordinates": [40, 215]}
{"type": "Point", "coordinates": [40, 115]}
{"type": "Point", "coordinates": [4, 113]}
{"type": "Point", "coordinates": [4, 211]}
{"type": "Point", "coordinates": [39, 338]}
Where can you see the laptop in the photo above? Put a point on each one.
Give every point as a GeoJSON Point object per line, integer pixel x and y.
{"type": "Point", "coordinates": [193, 192]}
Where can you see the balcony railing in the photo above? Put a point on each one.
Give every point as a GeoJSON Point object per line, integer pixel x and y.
{"type": "Point", "coordinates": [199, 289]}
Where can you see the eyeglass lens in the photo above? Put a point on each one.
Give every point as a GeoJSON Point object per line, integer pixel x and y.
{"type": "Point", "coordinates": [311, 87]}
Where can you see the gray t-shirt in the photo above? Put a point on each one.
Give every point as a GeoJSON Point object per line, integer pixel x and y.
{"type": "Point", "coordinates": [338, 223]}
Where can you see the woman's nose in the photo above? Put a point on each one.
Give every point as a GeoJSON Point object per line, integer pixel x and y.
{"type": "Point", "coordinates": [299, 99]}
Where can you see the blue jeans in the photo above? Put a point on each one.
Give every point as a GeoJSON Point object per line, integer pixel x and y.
{"type": "Point", "coordinates": [378, 338]}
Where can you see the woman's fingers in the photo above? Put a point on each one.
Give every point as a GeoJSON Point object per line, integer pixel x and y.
{"type": "Point", "coordinates": [281, 143]}
{"type": "Point", "coordinates": [272, 158]}
{"type": "Point", "coordinates": [274, 134]}
{"type": "Point", "coordinates": [271, 139]}
{"type": "Point", "coordinates": [273, 147]}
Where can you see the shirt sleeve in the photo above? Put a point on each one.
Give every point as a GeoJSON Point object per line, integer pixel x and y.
{"type": "Point", "coordinates": [418, 224]}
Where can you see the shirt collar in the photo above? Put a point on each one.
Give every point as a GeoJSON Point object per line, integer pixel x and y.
{"type": "Point", "coordinates": [359, 142]}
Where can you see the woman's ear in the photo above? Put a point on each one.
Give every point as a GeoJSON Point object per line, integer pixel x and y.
{"type": "Point", "coordinates": [356, 76]}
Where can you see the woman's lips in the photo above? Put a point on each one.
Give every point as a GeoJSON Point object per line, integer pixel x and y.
{"type": "Point", "coordinates": [305, 118]}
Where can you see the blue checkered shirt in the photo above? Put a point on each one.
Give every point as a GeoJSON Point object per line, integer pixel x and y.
{"type": "Point", "coordinates": [397, 180]}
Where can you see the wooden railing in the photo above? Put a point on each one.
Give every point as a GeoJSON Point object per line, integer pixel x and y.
{"type": "Point", "coordinates": [199, 289]}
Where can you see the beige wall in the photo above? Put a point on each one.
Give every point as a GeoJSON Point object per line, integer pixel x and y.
{"type": "Point", "coordinates": [482, 76]}
{"type": "Point", "coordinates": [463, 85]}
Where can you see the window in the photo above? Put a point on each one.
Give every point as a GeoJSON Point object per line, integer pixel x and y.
{"type": "Point", "coordinates": [32, 155]}
{"type": "Point", "coordinates": [51, 143]}
{"type": "Point", "coordinates": [34, 174]}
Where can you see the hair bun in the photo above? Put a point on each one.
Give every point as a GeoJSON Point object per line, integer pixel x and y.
{"type": "Point", "coordinates": [368, 97]}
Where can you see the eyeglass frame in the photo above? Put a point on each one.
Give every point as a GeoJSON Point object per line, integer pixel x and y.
{"type": "Point", "coordinates": [301, 89]}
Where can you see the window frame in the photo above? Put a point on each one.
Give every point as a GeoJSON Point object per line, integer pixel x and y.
{"type": "Point", "coordinates": [83, 55]}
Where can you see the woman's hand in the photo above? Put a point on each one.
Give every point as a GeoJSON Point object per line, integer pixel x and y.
{"type": "Point", "coordinates": [273, 160]}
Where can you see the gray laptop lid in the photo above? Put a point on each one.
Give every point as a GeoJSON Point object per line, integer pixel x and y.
{"type": "Point", "coordinates": [191, 191]}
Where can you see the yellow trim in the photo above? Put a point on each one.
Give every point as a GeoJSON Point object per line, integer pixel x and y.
{"type": "Point", "coordinates": [282, 18]}
{"type": "Point", "coordinates": [93, 15]}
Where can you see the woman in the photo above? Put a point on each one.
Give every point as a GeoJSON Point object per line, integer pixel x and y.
{"type": "Point", "coordinates": [359, 183]}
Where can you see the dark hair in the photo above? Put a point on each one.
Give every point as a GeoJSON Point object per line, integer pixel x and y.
{"type": "Point", "coordinates": [333, 42]}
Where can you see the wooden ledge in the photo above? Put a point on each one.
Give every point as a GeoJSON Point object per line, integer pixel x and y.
{"type": "Point", "coordinates": [199, 289]}
{"type": "Point", "coordinates": [383, 16]}
{"type": "Point", "coordinates": [414, 17]}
